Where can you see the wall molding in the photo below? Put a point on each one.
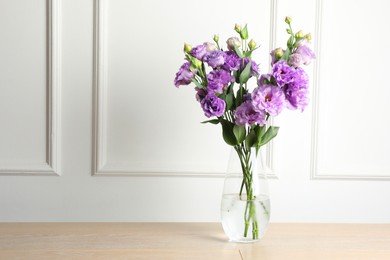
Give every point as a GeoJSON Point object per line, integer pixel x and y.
{"type": "Point", "coordinates": [315, 172]}
{"type": "Point", "coordinates": [99, 90]}
{"type": "Point", "coordinates": [270, 148]}
{"type": "Point", "coordinates": [52, 163]}
{"type": "Point", "coordinates": [316, 90]}
{"type": "Point", "coordinates": [100, 166]}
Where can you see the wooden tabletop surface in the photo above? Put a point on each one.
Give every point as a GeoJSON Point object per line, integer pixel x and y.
{"type": "Point", "coordinates": [190, 241]}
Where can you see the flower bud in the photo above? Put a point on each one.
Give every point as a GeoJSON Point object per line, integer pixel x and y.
{"type": "Point", "coordinates": [244, 33]}
{"type": "Point", "coordinates": [216, 37]}
{"type": "Point", "coordinates": [252, 44]}
{"type": "Point", "coordinates": [210, 46]}
{"type": "Point", "coordinates": [278, 53]}
{"type": "Point", "coordinates": [288, 20]}
{"type": "Point", "coordinates": [308, 36]}
{"type": "Point", "coordinates": [196, 63]}
{"type": "Point", "coordinates": [233, 42]}
{"type": "Point", "coordinates": [299, 34]}
{"type": "Point", "coordinates": [237, 28]}
{"type": "Point", "coordinates": [187, 48]}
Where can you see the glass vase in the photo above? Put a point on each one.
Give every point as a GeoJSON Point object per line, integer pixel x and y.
{"type": "Point", "coordinates": [245, 206]}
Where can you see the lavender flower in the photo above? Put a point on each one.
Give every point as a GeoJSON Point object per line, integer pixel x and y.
{"type": "Point", "coordinates": [247, 97]}
{"type": "Point", "coordinates": [213, 105]}
{"type": "Point", "coordinates": [184, 76]}
{"type": "Point", "coordinates": [264, 79]}
{"type": "Point", "coordinates": [273, 58]}
{"type": "Point", "coordinates": [202, 50]}
{"type": "Point", "coordinates": [297, 98]}
{"type": "Point", "coordinates": [269, 98]}
{"type": "Point", "coordinates": [295, 60]}
{"type": "Point", "coordinates": [247, 114]}
{"type": "Point", "coordinates": [300, 79]}
{"type": "Point", "coordinates": [297, 92]}
{"type": "Point", "coordinates": [199, 51]}
{"type": "Point", "coordinates": [218, 79]}
{"type": "Point", "coordinates": [254, 67]}
{"type": "Point", "coordinates": [282, 73]}
{"type": "Point", "coordinates": [200, 94]}
{"type": "Point", "coordinates": [305, 52]}
{"type": "Point", "coordinates": [276, 55]}
{"type": "Point", "coordinates": [232, 61]}
{"type": "Point", "coordinates": [215, 58]}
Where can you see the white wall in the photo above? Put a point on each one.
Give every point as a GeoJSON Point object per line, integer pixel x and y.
{"type": "Point", "coordinates": [94, 130]}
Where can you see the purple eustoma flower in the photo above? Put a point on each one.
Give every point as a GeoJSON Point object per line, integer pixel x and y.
{"type": "Point", "coordinates": [297, 98]}
{"type": "Point", "coordinates": [215, 58]}
{"type": "Point", "coordinates": [282, 73]}
{"type": "Point", "coordinates": [218, 79]}
{"type": "Point", "coordinates": [200, 94]}
{"type": "Point", "coordinates": [184, 76]}
{"type": "Point", "coordinates": [269, 98]}
{"type": "Point", "coordinates": [305, 52]}
{"type": "Point", "coordinates": [300, 79]}
{"type": "Point", "coordinates": [264, 79]}
{"type": "Point", "coordinates": [213, 105]}
{"type": "Point", "coordinates": [199, 51]}
{"type": "Point", "coordinates": [247, 97]}
{"type": "Point", "coordinates": [277, 52]}
{"type": "Point", "coordinates": [247, 114]}
{"type": "Point", "coordinates": [295, 60]}
{"type": "Point", "coordinates": [232, 61]}
{"type": "Point", "coordinates": [296, 92]}
{"type": "Point", "coordinates": [273, 58]}
{"type": "Point", "coordinates": [254, 67]}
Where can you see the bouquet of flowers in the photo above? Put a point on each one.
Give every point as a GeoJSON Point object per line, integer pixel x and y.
{"type": "Point", "coordinates": [221, 78]}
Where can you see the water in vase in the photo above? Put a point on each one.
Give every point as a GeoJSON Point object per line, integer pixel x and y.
{"type": "Point", "coordinates": [242, 220]}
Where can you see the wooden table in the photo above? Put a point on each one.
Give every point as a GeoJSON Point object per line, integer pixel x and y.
{"type": "Point", "coordinates": [190, 241]}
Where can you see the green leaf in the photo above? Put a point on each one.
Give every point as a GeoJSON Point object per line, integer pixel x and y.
{"type": "Point", "coordinates": [260, 132]}
{"type": "Point", "coordinates": [256, 134]}
{"type": "Point", "coordinates": [271, 132]}
{"type": "Point", "coordinates": [227, 132]}
{"type": "Point", "coordinates": [239, 52]}
{"type": "Point", "coordinates": [249, 53]}
{"type": "Point", "coordinates": [239, 133]}
{"type": "Point", "coordinates": [229, 101]}
{"type": "Point", "coordinates": [286, 55]}
{"type": "Point", "coordinates": [230, 88]}
{"type": "Point", "coordinates": [235, 75]}
{"type": "Point", "coordinates": [244, 33]}
{"type": "Point", "coordinates": [197, 84]}
{"type": "Point", "coordinates": [212, 121]}
{"type": "Point", "coordinates": [239, 97]}
{"type": "Point", "coordinates": [251, 138]}
{"type": "Point", "coordinates": [246, 73]}
{"type": "Point", "coordinates": [290, 41]}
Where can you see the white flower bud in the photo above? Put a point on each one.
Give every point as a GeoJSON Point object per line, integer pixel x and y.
{"type": "Point", "coordinates": [233, 42]}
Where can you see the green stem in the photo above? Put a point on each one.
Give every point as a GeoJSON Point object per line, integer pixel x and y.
{"type": "Point", "coordinates": [250, 215]}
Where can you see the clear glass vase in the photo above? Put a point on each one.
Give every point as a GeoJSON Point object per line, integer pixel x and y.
{"type": "Point", "coordinates": [245, 206]}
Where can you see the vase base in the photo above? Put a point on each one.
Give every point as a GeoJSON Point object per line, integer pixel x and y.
{"type": "Point", "coordinates": [244, 221]}
{"type": "Point", "coordinates": [244, 241]}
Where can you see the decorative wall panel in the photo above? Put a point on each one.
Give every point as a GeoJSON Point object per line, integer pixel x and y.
{"type": "Point", "coordinates": [30, 88]}
{"type": "Point", "coordinates": [136, 105]}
